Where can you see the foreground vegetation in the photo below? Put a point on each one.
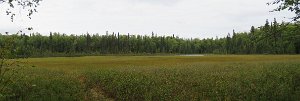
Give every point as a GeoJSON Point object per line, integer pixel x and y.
{"type": "Point", "coordinates": [158, 78]}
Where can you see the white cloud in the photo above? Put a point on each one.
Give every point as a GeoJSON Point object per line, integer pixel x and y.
{"type": "Point", "coordinates": [186, 18]}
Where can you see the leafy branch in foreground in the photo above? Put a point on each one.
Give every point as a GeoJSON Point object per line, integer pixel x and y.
{"type": "Point", "coordinates": [290, 5]}
{"type": "Point", "coordinates": [27, 6]}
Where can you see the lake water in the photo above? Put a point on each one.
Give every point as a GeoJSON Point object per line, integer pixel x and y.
{"type": "Point", "coordinates": [192, 55]}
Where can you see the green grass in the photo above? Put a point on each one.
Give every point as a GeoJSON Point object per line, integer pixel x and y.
{"type": "Point", "coordinates": [222, 77]}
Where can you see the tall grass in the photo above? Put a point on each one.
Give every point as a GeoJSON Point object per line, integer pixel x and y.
{"type": "Point", "coordinates": [159, 78]}
{"type": "Point", "coordinates": [239, 81]}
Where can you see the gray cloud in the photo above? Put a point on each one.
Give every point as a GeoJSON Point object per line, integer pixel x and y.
{"type": "Point", "coordinates": [186, 18]}
{"type": "Point", "coordinates": [157, 2]}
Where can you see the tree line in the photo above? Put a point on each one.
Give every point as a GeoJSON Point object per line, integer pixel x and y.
{"type": "Point", "coordinates": [271, 38]}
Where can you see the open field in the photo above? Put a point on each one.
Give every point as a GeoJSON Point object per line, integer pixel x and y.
{"type": "Point", "coordinates": [223, 77]}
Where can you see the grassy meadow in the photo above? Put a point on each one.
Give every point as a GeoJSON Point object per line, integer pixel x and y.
{"type": "Point", "coordinates": [156, 78]}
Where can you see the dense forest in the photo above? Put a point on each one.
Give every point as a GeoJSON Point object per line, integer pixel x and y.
{"type": "Point", "coordinates": [271, 38]}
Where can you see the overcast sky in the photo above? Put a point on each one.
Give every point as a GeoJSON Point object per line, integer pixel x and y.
{"type": "Point", "coordinates": [184, 18]}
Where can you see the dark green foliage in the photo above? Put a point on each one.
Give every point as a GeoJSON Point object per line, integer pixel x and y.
{"type": "Point", "coordinates": [9, 67]}
{"type": "Point", "coordinates": [272, 38]}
